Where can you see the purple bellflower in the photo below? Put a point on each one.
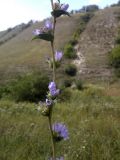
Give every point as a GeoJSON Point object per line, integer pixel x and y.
{"type": "Point", "coordinates": [37, 32]}
{"type": "Point", "coordinates": [58, 55]}
{"type": "Point", "coordinates": [52, 85]}
{"type": "Point", "coordinates": [64, 7]}
{"type": "Point", "coordinates": [48, 25]}
{"type": "Point", "coordinates": [53, 90]}
{"type": "Point", "coordinates": [60, 130]}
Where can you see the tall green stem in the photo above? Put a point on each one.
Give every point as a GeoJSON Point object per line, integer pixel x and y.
{"type": "Point", "coordinates": [53, 52]}
{"type": "Point", "coordinates": [52, 138]}
{"type": "Point", "coordinates": [54, 79]}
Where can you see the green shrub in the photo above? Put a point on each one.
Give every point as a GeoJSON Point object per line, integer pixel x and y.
{"type": "Point", "coordinates": [30, 88]}
{"type": "Point", "coordinates": [73, 42]}
{"type": "Point", "coordinates": [79, 84]}
{"type": "Point", "coordinates": [65, 95]}
{"type": "Point", "coordinates": [1, 92]}
{"type": "Point", "coordinates": [86, 17]}
{"type": "Point", "coordinates": [117, 72]}
{"type": "Point", "coordinates": [117, 41]}
{"type": "Point", "coordinates": [67, 83]}
{"type": "Point", "coordinates": [77, 33]}
{"type": "Point", "coordinates": [71, 70]}
{"type": "Point", "coordinates": [4, 90]}
{"type": "Point", "coordinates": [69, 51]}
{"type": "Point", "coordinates": [115, 57]}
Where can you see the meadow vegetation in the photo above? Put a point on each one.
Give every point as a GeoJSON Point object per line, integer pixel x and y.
{"type": "Point", "coordinates": [114, 56]}
{"type": "Point", "coordinates": [71, 70]}
{"type": "Point", "coordinates": [92, 117]}
{"type": "Point", "coordinates": [91, 112]}
{"type": "Point", "coordinates": [32, 88]}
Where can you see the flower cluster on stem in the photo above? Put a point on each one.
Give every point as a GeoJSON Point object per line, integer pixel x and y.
{"type": "Point", "coordinates": [58, 131]}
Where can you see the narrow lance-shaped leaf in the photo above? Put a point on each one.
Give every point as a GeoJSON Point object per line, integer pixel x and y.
{"type": "Point", "coordinates": [44, 36]}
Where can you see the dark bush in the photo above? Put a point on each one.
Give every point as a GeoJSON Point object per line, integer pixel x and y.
{"type": "Point", "coordinates": [117, 72]}
{"type": "Point", "coordinates": [67, 83]}
{"type": "Point", "coordinates": [69, 51]}
{"type": "Point", "coordinates": [86, 17]}
{"type": "Point", "coordinates": [9, 29]}
{"type": "Point", "coordinates": [1, 92]}
{"type": "Point", "coordinates": [4, 90]}
{"type": "Point", "coordinates": [115, 57]}
{"type": "Point", "coordinates": [90, 8]}
{"type": "Point", "coordinates": [73, 42]}
{"type": "Point", "coordinates": [71, 70]}
{"type": "Point", "coordinates": [117, 41]}
{"type": "Point", "coordinates": [30, 88]}
{"type": "Point", "coordinates": [79, 84]}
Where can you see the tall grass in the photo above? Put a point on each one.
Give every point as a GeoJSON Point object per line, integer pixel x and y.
{"type": "Point", "coordinates": [93, 119]}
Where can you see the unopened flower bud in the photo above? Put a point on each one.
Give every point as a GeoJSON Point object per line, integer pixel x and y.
{"type": "Point", "coordinates": [49, 102]}
{"type": "Point", "coordinates": [56, 6]}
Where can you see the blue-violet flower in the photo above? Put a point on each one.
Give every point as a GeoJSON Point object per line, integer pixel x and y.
{"type": "Point", "coordinates": [60, 130]}
{"type": "Point", "coordinates": [64, 7]}
{"type": "Point", "coordinates": [48, 25]}
{"type": "Point", "coordinates": [37, 32]}
{"type": "Point", "coordinates": [53, 90]}
{"type": "Point", "coordinates": [58, 55]}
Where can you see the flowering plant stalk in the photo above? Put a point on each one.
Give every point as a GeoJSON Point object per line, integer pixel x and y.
{"type": "Point", "coordinates": [58, 131]}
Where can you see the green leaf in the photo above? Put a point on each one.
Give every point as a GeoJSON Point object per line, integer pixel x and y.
{"type": "Point", "coordinates": [57, 64]}
{"type": "Point", "coordinates": [58, 13]}
{"type": "Point", "coordinates": [59, 1]}
{"type": "Point", "coordinates": [44, 36]}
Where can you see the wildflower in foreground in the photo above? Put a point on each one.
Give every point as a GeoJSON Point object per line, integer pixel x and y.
{"type": "Point", "coordinates": [58, 56]}
{"type": "Point", "coordinates": [37, 32]}
{"type": "Point", "coordinates": [47, 27]}
{"type": "Point", "coordinates": [64, 7]}
{"type": "Point", "coordinates": [58, 6]}
{"type": "Point", "coordinates": [53, 90]}
{"type": "Point", "coordinates": [52, 86]}
{"type": "Point", "coordinates": [60, 131]}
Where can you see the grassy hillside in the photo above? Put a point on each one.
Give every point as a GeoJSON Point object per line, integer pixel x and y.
{"type": "Point", "coordinates": [20, 54]}
{"type": "Point", "coordinates": [92, 117]}
{"type": "Point", "coordinates": [91, 114]}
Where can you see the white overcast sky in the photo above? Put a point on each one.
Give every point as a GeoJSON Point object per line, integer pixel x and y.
{"type": "Point", "coordinates": [13, 12]}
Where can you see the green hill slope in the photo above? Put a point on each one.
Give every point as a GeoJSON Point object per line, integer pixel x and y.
{"type": "Point", "coordinates": [20, 54]}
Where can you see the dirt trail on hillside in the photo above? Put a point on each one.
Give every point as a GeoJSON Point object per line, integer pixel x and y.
{"type": "Point", "coordinates": [95, 43]}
